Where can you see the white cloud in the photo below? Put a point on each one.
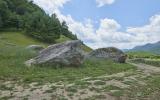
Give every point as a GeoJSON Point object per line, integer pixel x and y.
{"type": "Point", "coordinates": [101, 3]}
{"type": "Point", "coordinates": [109, 24]}
{"type": "Point", "coordinates": [85, 31]}
{"type": "Point", "coordinates": [147, 33]}
{"type": "Point", "coordinates": [108, 33]}
{"type": "Point", "coordinates": [51, 6]}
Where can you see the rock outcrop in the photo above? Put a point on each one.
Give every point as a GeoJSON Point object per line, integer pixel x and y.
{"type": "Point", "coordinates": [108, 53]}
{"type": "Point", "coordinates": [67, 54]}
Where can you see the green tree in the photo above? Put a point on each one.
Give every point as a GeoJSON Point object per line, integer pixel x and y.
{"type": "Point", "coordinates": [43, 27]}
{"type": "Point", "coordinates": [25, 15]}
{"type": "Point", "coordinates": [65, 31]}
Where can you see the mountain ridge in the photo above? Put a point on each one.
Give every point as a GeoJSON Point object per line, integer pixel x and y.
{"type": "Point", "coordinates": [149, 47]}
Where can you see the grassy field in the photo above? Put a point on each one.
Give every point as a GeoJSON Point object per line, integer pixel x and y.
{"type": "Point", "coordinates": [144, 57]}
{"type": "Point", "coordinates": [51, 79]}
{"type": "Point", "coordinates": [132, 55]}
{"type": "Point", "coordinates": [94, 80]}
{"type": "Point", "coordinates": [12, 58]}
{"type": "Point", "coordinates": [150, 90]}
{"type": "Point", "coordinates": [18, 39]}
{"type": "Point", "coordinates": [154, 62]}
{"type": "Point", "coordinates": [12, 67]}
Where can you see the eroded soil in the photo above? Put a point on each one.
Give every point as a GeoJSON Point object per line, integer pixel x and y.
{"type": "Point", "coordinates": [107, 87]}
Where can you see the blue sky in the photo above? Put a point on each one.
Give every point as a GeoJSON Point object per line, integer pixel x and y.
{"type": "Point", "coordinates": [104, 23]}
{"type": "Point", "coordinates": [126, 12]}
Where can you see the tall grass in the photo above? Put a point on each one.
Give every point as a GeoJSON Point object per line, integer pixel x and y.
{"type": "Point", "coordinates": [142, 54]}
{"type": "Point", "coordinates": [12, 68]}
{"type": "Point", "coordinates": [147, 61]}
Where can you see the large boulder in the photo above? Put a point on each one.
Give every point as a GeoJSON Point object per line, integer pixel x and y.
{"type": "Point", "coordinates": [111, 53]}
{"type": "Point", "coordinates": [67, 54]}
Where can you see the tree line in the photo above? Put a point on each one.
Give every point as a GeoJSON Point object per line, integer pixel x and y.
{"type": "Point", "coordinates": [25, 15]}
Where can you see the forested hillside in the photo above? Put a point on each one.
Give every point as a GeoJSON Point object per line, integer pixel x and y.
{"type": "Point", "coordinates": [25, 16]}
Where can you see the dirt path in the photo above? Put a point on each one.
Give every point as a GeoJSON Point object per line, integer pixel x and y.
{"type": "Point", "coordinates": [147, 68]}
{"type": "Point", "coordinates": [105, 87]}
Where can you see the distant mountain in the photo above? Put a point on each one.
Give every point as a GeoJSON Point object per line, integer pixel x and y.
{"type": "Point", "coordinates": [125, 50]}
{"type": "Point", "coordinates": [153, 48]}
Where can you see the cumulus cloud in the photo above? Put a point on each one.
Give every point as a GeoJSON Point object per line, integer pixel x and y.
{"type": "Point", "coordinates": [104, 36]}
{"type": "Point", "coordinates": [108, 33]}
{"type": "Point", "coordinates": [51, 6]}
{"type": "Point", "coordinates": [107, 30]}
{"type": "Point", "coordinates": [101, 3]}
{"type": "Point", "coordinates": [149, 32]}
{"type": "Point", "coordinates": [85, 31]}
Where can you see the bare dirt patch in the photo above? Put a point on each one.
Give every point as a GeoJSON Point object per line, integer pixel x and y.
{"type": "Point", "coordinates": [105, 87]}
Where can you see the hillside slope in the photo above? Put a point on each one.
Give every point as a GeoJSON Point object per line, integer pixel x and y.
{"type": "Point", "coordinates": [20, 39]}
{"type": "Point", "coordinates": [152, 48]}
{"type": "Point", "coordinates": [24, 15]}
{"type": "Point", "coordinates": [17, 39]}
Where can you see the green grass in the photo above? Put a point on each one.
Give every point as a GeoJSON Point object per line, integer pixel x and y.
{"type": "Point", "coordinates": [62, 39]}
{"type": "Point", "coordinates": [111, 87]}
{"type": "Point", "coordinates": [4, 87]}
{"type": "Point", "coordinates": [17, 38]}
{"type": "Point", "coordinates": [144, 57]}
{"type": "Point", "coordinates": [49, 91]}
{"type": "Point", "coordinates": [12, 67]}
{"type": "Point", "coordinates": [12, 58]}
{"type": "Point", "coordinates": [152, 62]}
{"type": "Point", "coordinates": [142, 54]}
{"type": "Point", "coordinates": [118, 93]}
{"type": "Point", "coordinates": [86, 48]}
{"type": "Point", "coordinates": [99, 83]}
{"type": "Point", "coordinates": [6, 97]}
{"type": "Point", "coordinates": [129, 82]}
{"type": "Point", "coordinates": [20, 39]}
{"type": "Point", "coordinates": [82, 84]}
{"type": "Point", "coordinates": [72, 89]}
{"type": "Point", "coordinates": [95, 89]}
{"type": "Point", "coordinates": [96, 97]}
{"type": "Point", "coordinates": [146, 91]}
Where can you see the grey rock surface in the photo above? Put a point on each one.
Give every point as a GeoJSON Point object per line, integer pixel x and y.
{"type": "Point", "coordinates": [108, 53]}
{"type": "Point", "coordinates": [67, 53]}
